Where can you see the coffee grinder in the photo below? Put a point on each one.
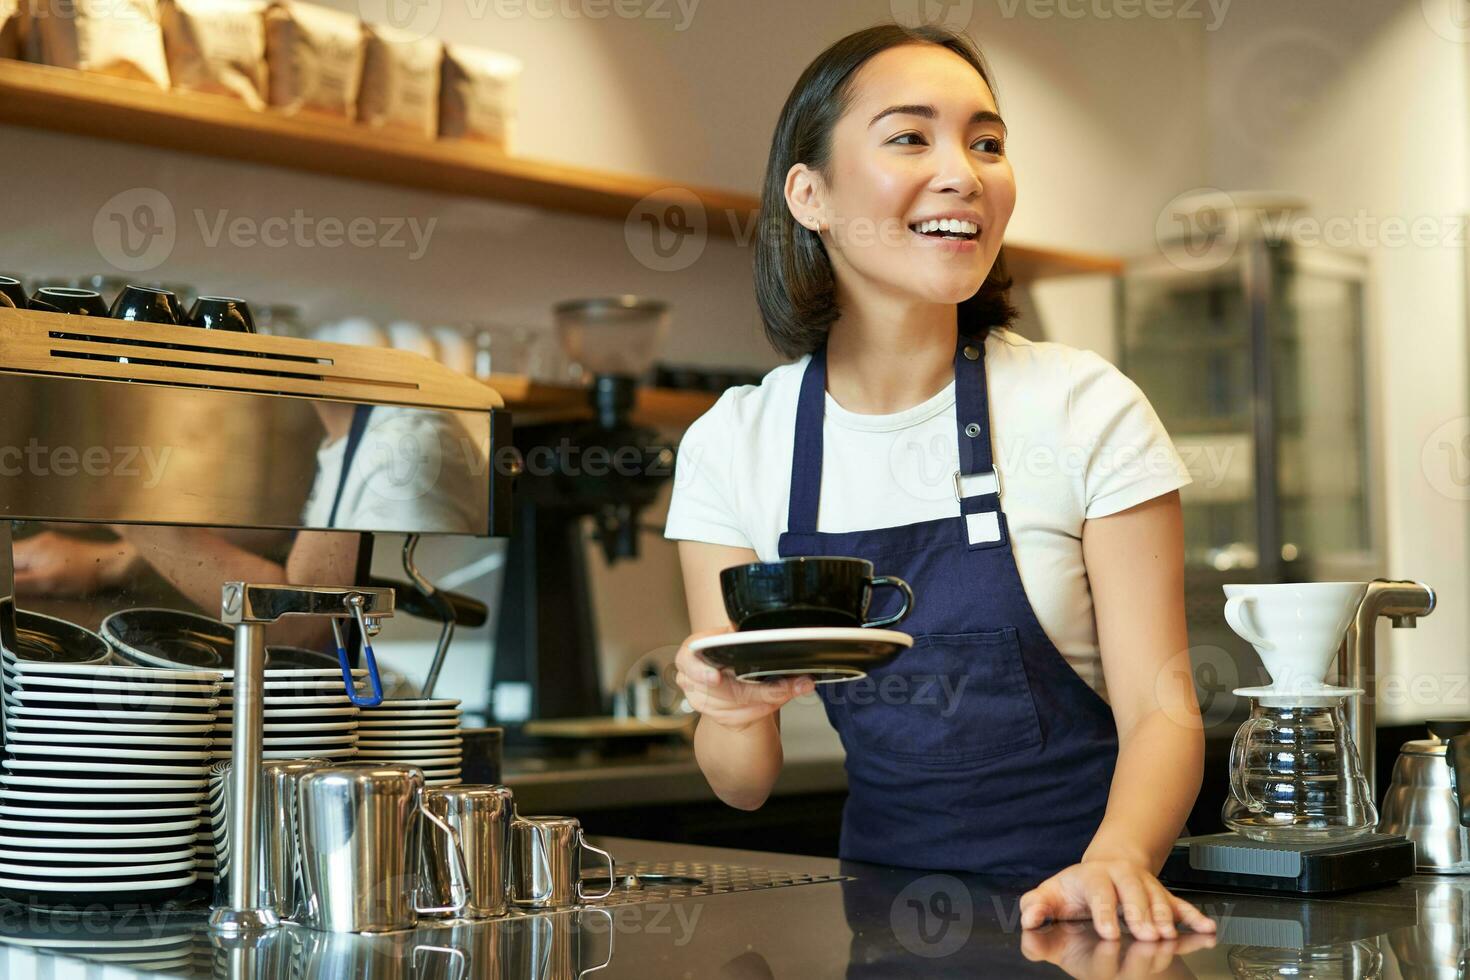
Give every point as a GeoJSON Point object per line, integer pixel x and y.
{"type": "Point", "coordinates": [1301, 806]}
{"type": "Point", "coordinates": [606, 469]}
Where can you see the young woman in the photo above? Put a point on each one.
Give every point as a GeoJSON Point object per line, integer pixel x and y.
{"type": "Point", "coordinates": [1038, 590]}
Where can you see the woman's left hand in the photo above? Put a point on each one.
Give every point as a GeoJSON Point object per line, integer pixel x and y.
{"type": "Point", "coordinates": [1098, 889]}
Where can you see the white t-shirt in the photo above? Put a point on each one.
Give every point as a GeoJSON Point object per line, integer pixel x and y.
{"type": "Point", "coordinates": [1072, 438]}
{"type": "Point", "coordinates": [415, 468]}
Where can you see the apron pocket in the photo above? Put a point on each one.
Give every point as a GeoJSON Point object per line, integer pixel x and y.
{"type": "Point", "coordinates": [953, 698]}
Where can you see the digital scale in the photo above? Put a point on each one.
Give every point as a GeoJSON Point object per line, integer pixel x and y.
{"type": "Point", "coordinates": [1232, 862]}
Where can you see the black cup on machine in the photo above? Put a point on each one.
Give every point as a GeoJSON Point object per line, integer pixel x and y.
{"type": "Point", "coordinates": [806, 592]}
{"type": "Point", "coordinates": [13, 293]}
{"type": "Point", "coordinates": [145, 304]}
{"type": "Point", "coordinates": [64, 299]}
{"type": "Point", "coordinates": [221, 313]}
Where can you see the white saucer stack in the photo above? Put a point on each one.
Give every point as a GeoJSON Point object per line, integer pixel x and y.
{"type": "Point", "coordinates": [307, 713]}
{"type": "Point", "coordinates": [104, 773]}
{"type": "Point", "coordinates": [423, 733]}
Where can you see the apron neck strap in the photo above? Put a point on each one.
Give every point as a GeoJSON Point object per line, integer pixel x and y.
{"type": "Point", "coordinates": [806, 455]}
{"type": "Point", "coordinates": [972, 407]}
{"type": "Point", "coordinates": [972, 422]}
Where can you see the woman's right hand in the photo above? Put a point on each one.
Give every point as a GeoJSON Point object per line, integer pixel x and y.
{"type": "Point", "coordinates": [731, 703]}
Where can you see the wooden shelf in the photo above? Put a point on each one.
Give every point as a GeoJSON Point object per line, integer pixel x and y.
{"type": "Point", "coordinates": [62, 100]}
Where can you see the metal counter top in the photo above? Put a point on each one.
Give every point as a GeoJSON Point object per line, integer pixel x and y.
{"type": "Point", "coordinates": [871, 922]}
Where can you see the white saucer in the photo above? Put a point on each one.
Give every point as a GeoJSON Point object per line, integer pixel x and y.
{"type": "Point", "coordinates": [1321, 696]}
{"type": "Point", "coordinates": [117, 871]}
{"type": "Point", "coordinates": [82, 828]}
{"type": "Point", "coordinates": [827, 654]}
{"type": "Point", "coordinates": [181, 812]}
{"type": "Point", "coordinates": [47, 885]}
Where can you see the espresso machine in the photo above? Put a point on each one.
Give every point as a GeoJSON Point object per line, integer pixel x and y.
{"type": "Point", "coordinates": [235, 420]}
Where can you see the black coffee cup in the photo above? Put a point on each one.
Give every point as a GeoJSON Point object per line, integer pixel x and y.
{"type": "Point", "coordinates": [144, 304]}
{"type": "Point", "coordinates": [14, 292]}
{"type": "Point", "coordinates": [64, 299]}
{"type": "Point", "coordinates": [806, 592]}
{"type": "Point", "coordinates": [221, 313]}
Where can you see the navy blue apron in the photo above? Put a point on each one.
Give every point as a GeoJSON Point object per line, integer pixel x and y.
{"type": "Point", "coordinates": [980, 749]}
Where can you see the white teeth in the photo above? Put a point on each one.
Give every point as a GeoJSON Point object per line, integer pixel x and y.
{"type": "Point", "coordinates": [952, 225]}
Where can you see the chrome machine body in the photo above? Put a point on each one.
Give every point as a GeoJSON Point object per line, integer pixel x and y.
{"type": "Point", "coordinates": [111, 422]}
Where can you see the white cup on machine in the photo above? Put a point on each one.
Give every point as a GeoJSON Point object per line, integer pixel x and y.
{"type": "Point", "coordinates": [1295, 627]}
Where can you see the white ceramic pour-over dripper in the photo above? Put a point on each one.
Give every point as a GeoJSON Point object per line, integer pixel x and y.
{"type": "Point", "coordinates": [1296, 629]}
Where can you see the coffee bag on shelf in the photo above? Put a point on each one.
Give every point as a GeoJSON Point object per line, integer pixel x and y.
{"type": "Point", "coordinates": [13, 18]}
{"type": "Point", "coordinates": [400, 81]}
{"type": "Point", "coordinates": [314, 55]}
{"type": "Point", "coordinates": [217, 46]}
{"type": "Point", "coordinates": [477, 97]}
{"type": "Point", "coordinates": [111, 37]}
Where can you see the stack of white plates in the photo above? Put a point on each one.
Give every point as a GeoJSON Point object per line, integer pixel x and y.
{"type": "Point", "coordinates": [423, 733]}
{"type": "Point", "coordinates": [307, 714]}
{"type": "Point", "coordinates": [103, 779]}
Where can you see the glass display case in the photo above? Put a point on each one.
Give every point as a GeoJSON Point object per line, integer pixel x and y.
{"type": "Point", "coordinates": [1257, 367]}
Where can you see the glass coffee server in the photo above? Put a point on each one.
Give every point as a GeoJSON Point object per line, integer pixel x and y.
{"type": "Point", "coordinates": [1251, 348]}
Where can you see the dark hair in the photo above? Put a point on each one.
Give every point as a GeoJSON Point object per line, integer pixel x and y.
{"type": "Point", "coordinates": [793, 274]}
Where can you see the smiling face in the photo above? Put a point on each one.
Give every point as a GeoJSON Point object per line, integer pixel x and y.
{"type": "Point", "coordinates": [920, 188]}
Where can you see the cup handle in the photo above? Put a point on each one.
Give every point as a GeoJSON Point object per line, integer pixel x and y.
{"type": "Point", "coordinates": [462, 968]}
{"type": "Point", "coordinates": [536, 897]}
{"type": "Point", "coordinates": [908, 599]}
{"type": "Point", "coordinates": [1236, 618]}
{"type": "Point", "coordinates": [611, 872]}
{"type": "Point", "coordinates": [1240, 748]}
{"type": "Point", "coordinates": [460, 882]}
